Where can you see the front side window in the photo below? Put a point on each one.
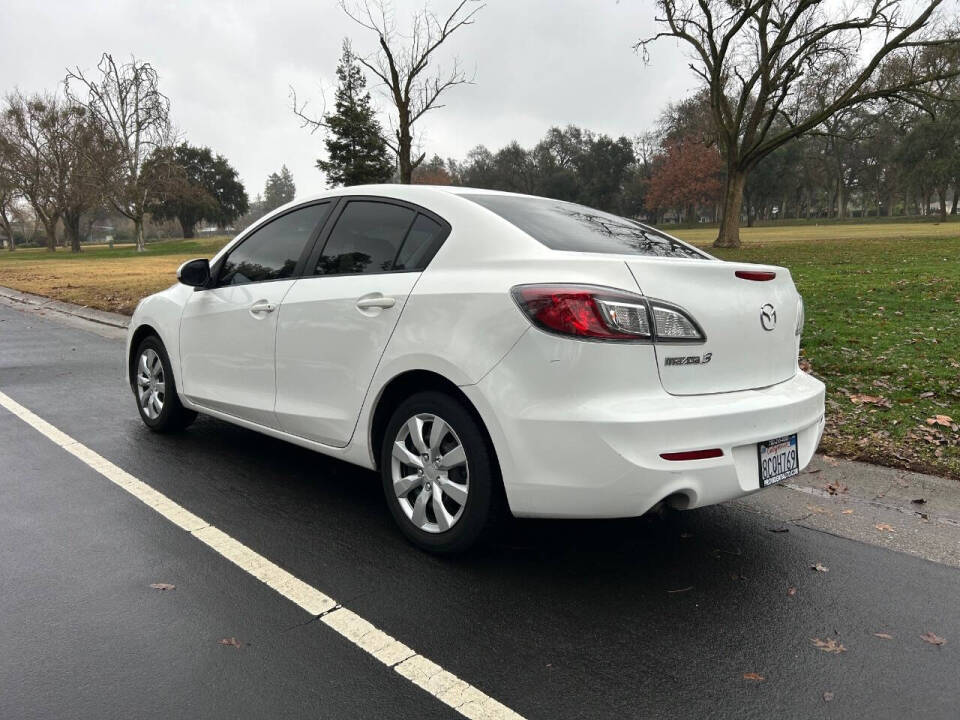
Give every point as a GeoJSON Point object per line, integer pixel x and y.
{"type": "Point", "coordinates": [272, 251]}
{"type": "Point", "coordinates": [567, 226]}
{"type": "Point", "coordinates": [366, 238]}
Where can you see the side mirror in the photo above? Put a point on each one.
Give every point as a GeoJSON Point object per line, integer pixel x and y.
{"type": "Point", "coordinates": [195, 273]}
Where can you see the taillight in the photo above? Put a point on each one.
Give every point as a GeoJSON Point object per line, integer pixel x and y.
{"type": "Point", "coordinates": [757, 275]}
{"type": "Point", "coordinates": [599, 313]}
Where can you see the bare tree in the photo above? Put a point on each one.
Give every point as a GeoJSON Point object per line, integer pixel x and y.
{"type": "Point", "coordinates": [765, 63]}
{"type": "Point", "coordinates": [29, 148]}
{"type": "Point", "coordinates": [8, 188]}
{"type": "Point", "coordinates": [133, 118]}
{"type": "Point", "coordinates": [402, 64]}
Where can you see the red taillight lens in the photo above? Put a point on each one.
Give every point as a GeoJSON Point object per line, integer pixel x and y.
{"type": "Point", "coordinates": [585, 311]}
{"type": "Point", "coordinates": [758, 275]}
{"type": "Point", "coordinates": [693, 454]}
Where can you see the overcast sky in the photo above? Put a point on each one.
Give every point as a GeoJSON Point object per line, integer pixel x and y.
{"type": "Point", "coordinates": [227, 64]}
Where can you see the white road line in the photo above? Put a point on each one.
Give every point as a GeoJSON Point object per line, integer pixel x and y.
{"type": "Point", "coordinates": [445, 686]}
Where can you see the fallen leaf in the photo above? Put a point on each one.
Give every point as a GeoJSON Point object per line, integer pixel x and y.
{"type": "Point", "coordinates": [231, 641]}
{"type": "Point", "coordinates": [830, 645]}
{"type": "Point", "coordinates": [791, 591]}
{"type": "Point", "coordinates": [827, 696]}
{"type": "Point", "coordinates": [836, 488]}
{"type": "Point", "coordinates": [163, 586]}
{"type": "Point", "coordinates": [884, 527]}
{"type": "Point", "coordinates": [919, 501]}
{"type": "Point", "coordinates": [831, 461]}
{"type": "Point", "coordinates": [944, 420]}
{"type": "Point", "coordinates": [819, 568]}
{"type": "Point", "coordinates": [926, 394]}
{"type": "Point", "coordinates": [877, 400]}
{"type": "Point", "coordinates": [883, 636]}
{"type": "Point", "coordinates": [933, 639]}
{"type": "Point", "coordinates": [779, 530]}
{"type": "Point", "coordinates": [680, 590]}
{"type": "Point", "coordinates": [813, 471]}
{"type": "Point", "coordinates": [753, 676]}
{"type": "Point", "coordinates": [818, 509]}
{"type": "Point", "coordinates": [846, 512]}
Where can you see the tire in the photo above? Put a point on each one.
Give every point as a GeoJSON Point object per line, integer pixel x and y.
{"type": "Point", "coordinates": [155, 390]}
{"type": "Point", "coordinates": [476, 478]}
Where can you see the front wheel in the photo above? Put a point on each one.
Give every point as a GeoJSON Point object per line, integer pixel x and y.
{"type": "Point", "coordinates": [155, 389]}
{"type": "Point", "coordinates": [439, 474]}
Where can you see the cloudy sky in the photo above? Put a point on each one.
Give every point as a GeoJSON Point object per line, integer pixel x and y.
{"type": "Point", "coordinates": [227, 65]}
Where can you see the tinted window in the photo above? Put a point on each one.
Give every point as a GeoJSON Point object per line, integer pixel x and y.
{"type": "Point", "coordinates": [424, 239]}
{"type": "Point", "coordinates": [567, 226]}
{"type": "Point", "coordinates": [365, 239]}
{"type": "Point", "coordinates": [272, 252]}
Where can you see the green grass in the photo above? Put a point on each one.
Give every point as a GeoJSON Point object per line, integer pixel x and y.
{"type": "Point", "coordinates": [883, 320]}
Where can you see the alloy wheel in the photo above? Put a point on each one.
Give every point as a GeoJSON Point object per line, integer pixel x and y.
{"type": "Point", "coordinates": [430, 473]}
{"type": "Point", "coordinates": [151, 384]}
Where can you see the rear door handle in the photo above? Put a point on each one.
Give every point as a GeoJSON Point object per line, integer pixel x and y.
{"type": "Point", "coordinates": [262, 306]}
{"type": "Point", "coordinates": [383, 301]}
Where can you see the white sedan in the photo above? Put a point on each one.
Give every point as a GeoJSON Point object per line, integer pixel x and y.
{"type": "Point", "coordinates": [487, 351]}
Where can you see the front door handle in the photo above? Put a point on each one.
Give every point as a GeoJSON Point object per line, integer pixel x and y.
{"type": "Point", "coordinates": [262, 306]}
{"type": "Point", "coordinates": [382, 301]}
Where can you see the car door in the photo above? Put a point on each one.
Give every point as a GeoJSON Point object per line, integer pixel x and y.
{"type": "Point", "coordinates": [228, 331]}
{"type": "Point", "coordinates": [336, 321]}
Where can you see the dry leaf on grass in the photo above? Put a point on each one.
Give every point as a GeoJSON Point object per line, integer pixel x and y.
{"type": "Point", "coordinates": [876, 400]}
{"type": "Point", "coordinates": [232, 641]}
{"type": "Point", "coordinates": [830, 645]}
{"type": "Point", "coordinates": [933, 639]}
{"type": "Point", "coordinates": [163, 586]}
{"type": "Point", "coordinates": [819, 568]}
{"type": "Point", "coordinates": [883, 636]}
{"type": "Point", "coordinates": [944, 420]}
{"type": "Point", "coordinates": [753, 676]}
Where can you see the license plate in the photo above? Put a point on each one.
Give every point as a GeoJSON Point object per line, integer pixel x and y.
{"type": "Point", "coordinates": [778, 459]}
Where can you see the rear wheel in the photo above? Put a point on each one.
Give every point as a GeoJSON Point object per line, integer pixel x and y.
{"type": "Point", "coordinates": [155, 389]}
{"type": "Point", "coordinates": [439, 474]}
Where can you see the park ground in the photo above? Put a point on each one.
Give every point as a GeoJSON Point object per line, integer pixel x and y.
{"type": "Point", "coordinates": [883, 320]}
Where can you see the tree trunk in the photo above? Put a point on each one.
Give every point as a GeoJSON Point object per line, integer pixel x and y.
{"type": "Point", "coordinates": [953, 205]}
{"type": "Point", "coordinates": [729, 234]}
{"type": "Point", "coordinates": [51, 228]}
{"type": "Point", "coordinates": [405, 146]}
{"type": "Point", "coordinates": [841, 201]}
{"type": "Point", "coordinates": [71, 227]}
{"type": "Point", "coordinates": [9, 231]}
{"type": "Point", "coordinates": [189, 228]}
{"type": "Point", "coordinates": [942, 194]}
{"type": "Point", "coordinates": [138, 231]}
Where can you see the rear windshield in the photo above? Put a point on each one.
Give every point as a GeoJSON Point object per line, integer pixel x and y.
{"type": "Point", "coordinates": [566, 226]}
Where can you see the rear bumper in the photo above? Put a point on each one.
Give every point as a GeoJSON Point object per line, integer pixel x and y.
{"type": "Point", "coordinates": [600, 458]}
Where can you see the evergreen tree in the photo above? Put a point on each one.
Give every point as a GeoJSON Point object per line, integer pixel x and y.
{"type": "Point", "coordinates": [356, 148]}
{"type": "Point", "coordinates": [279, 189]}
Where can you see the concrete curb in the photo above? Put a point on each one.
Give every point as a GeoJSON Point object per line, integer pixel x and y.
{"type": "Point", "coordinates": [81, 311]}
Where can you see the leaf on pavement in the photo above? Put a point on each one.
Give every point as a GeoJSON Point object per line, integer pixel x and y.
{"type": "Point", "coordinates": [232, 641]}
{"type": "Point", "coordinates": [836, 488]}
{"type": "Point", "coordinates": [163, 586]}
{"type": "Point", "coordinates": [884, 527]}
{"type": "Point", "coordinates": [819, 568]}
{"type": "Point", "coordinates": [883, 636]}
{"type": "Point", "coordinates": [846, 512]}
{"type": "Point", "coordinates": [827, 696]}
{"type": "Point", "coordinates": [779, 530]}
{"type": "Point", "coordinates": [753, 676]}
{"type": "Point", "coordinates": [830, 645]}
{"type": "Point", "coordinates": [933, 639]}
{"type": "Point", "coordinates": [791, 591]}
{"type": "Point", "coordinates": [681, 590]}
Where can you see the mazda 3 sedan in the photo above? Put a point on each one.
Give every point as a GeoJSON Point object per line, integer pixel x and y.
{"type": "Point", "coordinates": [488, 352]}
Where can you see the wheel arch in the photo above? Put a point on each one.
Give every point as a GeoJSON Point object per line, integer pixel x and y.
{"type": "Point", "coordinates": [143, 331]}
{"type": "Point", "coordinates": [402, 386]}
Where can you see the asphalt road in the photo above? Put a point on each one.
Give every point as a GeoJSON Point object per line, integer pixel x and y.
{"type": "Point", "coordinates": [660, 616]}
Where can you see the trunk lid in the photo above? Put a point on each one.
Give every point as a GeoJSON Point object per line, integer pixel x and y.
{"type": "Point", "coordinates": [750, 325]}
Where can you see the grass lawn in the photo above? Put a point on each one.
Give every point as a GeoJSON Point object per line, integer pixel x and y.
{"type": "Point", "coordinates": [883, 320]}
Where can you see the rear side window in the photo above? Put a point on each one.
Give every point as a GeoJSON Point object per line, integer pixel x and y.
{"type": "Point", "coordinates": [272, 251]}
{"type": "Point", "coordinates": [422, 242]}
{"type": "Point", "coordinates": [566, 226]}
{"type": "Point", "coordinates": [366, 239]}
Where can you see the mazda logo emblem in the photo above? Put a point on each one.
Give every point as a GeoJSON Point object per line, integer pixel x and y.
{"type": "Point", "coordinates": [768, 317]}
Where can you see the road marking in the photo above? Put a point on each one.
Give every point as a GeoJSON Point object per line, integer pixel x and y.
{"type": "Point", "coordinates": [445, 686]}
